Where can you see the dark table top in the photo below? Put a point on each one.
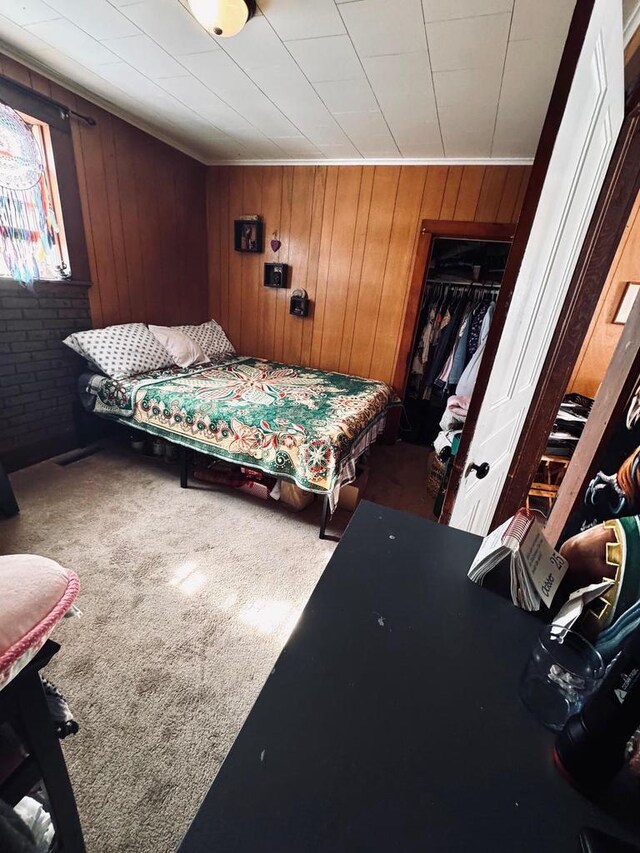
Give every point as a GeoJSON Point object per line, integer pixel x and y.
{"type": "Point", "coordinates": [391, 720]}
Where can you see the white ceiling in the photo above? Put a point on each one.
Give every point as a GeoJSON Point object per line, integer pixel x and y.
{"type": "Point", "coordinates": [417, 80]}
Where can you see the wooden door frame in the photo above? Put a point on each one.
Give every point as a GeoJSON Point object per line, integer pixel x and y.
{"type": "Point", "coordinates": [610, 217]}
{"type": "Point", "coordinates": [619, 383]}
{"type": "Point", "coordinates": [564, 79]}
{"type": "Point", "coordinates": [430, 229]}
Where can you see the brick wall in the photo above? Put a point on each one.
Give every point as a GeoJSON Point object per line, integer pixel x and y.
{"type": "Point", "coordinates": [37, 372]}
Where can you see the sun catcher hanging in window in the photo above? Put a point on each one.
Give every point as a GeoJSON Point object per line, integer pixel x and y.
{"type": "Point", "coordinates": [32, 244]}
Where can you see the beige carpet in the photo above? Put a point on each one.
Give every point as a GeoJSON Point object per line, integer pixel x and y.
{"type": "Point", "coordinates": [188, 597]}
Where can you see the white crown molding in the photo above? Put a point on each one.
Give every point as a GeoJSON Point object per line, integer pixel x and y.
{"type": "Point", "coordinates": [391, 161]}
{"type": "Point", "coordinates": [61, 80]}
{"type": "Point", "coordinates": [632, 24]}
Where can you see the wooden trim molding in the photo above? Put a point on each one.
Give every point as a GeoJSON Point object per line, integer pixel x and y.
{"type": "Point", "coordinates": [69, 189]}
{"type": "Point", "coordinates": [564, 79]}
{"type": "Point", "coordinates": [469, 230]}
{"type": "Point", "coordinates": [618, 194]}
{"type": "Point", "coordinates": [632, 59]}
{"type": "Point", "coordinates": [384, 161]}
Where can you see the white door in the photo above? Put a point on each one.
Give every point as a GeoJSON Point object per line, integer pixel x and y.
{"type": "Point", "coordinates": [580, 158]}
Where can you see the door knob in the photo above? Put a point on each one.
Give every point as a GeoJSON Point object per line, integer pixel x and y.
{"type": "Point", "coordinates": [481, 470]}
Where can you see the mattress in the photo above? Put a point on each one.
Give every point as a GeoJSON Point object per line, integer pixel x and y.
{"type": "Point", "coordinates": [306, 425]}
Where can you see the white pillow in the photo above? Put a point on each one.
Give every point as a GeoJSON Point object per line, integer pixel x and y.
{"type": "Point", "coordinates": [120, 351]}
{"type": "Point", "coordinates": [215, 344]}
{"type": "Point", "coordinates": [184, 350]}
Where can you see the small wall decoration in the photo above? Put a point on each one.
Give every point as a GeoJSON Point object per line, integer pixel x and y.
{"type": "Point", "coordinates": [276, 275]}
{"type": "Point", "coordinates": [275, 243]}
{"type": "Point", "coordinates": [248, 233]}
{"type": "Point", "coordinates": [626, 303]}
{"type": "Point", "coordinates": [299, 305]}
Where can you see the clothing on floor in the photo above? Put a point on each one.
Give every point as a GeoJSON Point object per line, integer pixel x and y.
{"type": "Point", "coordinates": [39, 821]}
{"type": "Point", "coordinates": [15, 836]}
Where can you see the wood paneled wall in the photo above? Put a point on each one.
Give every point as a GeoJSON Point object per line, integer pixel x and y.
{"type": "Point", "coordinates": [603, 335]}
{"type": "Point", "coordinates": [349, 234]}
{"type": "Point", "coordinates": [144, 212]}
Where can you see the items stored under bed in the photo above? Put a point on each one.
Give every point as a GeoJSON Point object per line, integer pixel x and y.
{"type": "Point", "coordinates": [298, 424]}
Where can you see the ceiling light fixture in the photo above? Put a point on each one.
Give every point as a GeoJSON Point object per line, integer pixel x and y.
{"type": "Point", "coordinates": [223, 17]}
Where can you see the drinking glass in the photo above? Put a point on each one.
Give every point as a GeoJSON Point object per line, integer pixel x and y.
{"type": "Point", "coordinates": [562, 671]}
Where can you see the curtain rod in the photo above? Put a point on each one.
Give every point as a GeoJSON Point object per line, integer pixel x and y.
{"type": "Point", "coordinates": [65, 111]}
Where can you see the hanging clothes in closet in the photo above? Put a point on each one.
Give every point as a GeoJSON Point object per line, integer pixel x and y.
{"type": "Point", "coordinates": [452, 331]}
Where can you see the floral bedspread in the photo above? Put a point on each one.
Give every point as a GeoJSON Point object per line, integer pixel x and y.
{"type": "Point", "coordinates": [290, 421]}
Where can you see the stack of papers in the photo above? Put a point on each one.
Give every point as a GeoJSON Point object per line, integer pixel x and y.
{"type": "Point", "coordinates": [536, 568]}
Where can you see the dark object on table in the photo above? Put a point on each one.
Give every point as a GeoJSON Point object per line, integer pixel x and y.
{"type": "Point", "coordinates": [15, 835]}
{"type": "Point", "coordinates": [594, 841]}
{"type": "Point", "coordinates": [391, 722]}
{"type": "Point", "coordinates": [608, 550]}
{"type": "Point", "coordinates": [590, 749]}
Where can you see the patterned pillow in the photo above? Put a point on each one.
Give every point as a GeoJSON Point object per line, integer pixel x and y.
{"type": "Point", "coordinates": [215, 344]}
{"type": "Point", "coordinates": [120, 351]}
{"type": "Point", "coordinates": [73, 344]}
{"type": "Point", "coordinates": [182, 348]}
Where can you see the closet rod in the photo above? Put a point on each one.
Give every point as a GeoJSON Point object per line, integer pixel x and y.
{"type": "Point", "coordinates": [494, 285]}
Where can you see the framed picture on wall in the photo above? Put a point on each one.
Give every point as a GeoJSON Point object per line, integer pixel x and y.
{"type": "Point", "coordinates": [626, 303]}
{"type": "Point", "coordinates": [248, 235]}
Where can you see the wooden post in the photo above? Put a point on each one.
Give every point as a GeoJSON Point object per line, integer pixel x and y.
{"type": "Point", "coordinates": [619, 383]}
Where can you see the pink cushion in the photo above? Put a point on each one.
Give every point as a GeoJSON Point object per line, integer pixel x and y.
{"type": "Point", "coordinates": [35, 593]}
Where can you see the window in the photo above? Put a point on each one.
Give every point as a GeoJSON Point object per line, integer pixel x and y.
{"type": "Point", "coordinates": [32, 237]}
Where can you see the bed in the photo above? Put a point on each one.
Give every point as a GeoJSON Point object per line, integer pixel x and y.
{"type": "Point", "coordinates": [299, 424]}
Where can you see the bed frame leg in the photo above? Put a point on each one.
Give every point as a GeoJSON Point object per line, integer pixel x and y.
{"type": "Point", "coordinates": [323, 522]}
{"type": "Point", "coordinates": [184, 467]}
{"type": "Point", "coordinates": [325, 516]}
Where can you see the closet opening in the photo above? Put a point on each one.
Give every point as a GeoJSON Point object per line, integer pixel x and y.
{"type": "Point", "coordinates": [460, 286]}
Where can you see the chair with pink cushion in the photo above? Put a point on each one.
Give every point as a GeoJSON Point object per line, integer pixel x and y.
{"type": "Point", "coordinates": [35, 593]}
